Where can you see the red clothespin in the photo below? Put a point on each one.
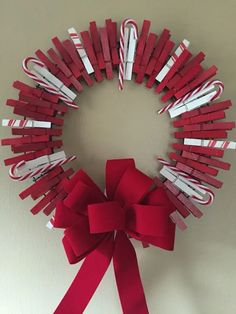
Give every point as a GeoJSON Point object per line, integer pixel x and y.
{"type": "Point", "coordinates": [183, 57]}
{"type": "Point", "coordinates": [43, 202]}
{"type": "Point", "coordinates": [59, 62]}
{"type": "Point", "coordinates": [97, 44]}
{"type": "Point", "coordinates": [172, 193]}
{"type": "Point", "coordinates": [27, 156]}
{"type": "Point", "coordinates": [208, 117]}
{"type": "Point", "coordinates": [194, 164]}
{"type": "Point", "coordinates": [141, 45]}
{"type": "Point", "coordinates": [210, 126]}
{"type": "Point", "coordinates": [36, 146]}
{"type": "Point", "coordinates": [191, 207]}
{"type": "Point", "coordinates": [149, 47]}
{"type": "Point", "coordinates": [196, 119]}
{"type": "Point", "coordinates": [201, 134]}
{"type": "Point", "coordinates": [189, 75]}
{"type": "Point", "coordinates": [106, 52]}
{"type": "Point", "coordinates": [36, 101]}
{"type": "Point", "coordinates": [199, 150]}
{"type": "Point", "coordinates": [91, 54]}
{"type": "Point", "coordinates": [223, 105]}
{"type": "Point", "coordinates": [25, 112]}
{"type": "Point", "coordinates": [199, 175]}
{"type": "Point", "coordinates": [112, 36]}
{"type": "Point", "coordinates": [204, 76]}
{"type": "Point", "coordinates": [161, 60]}
{"type": "Point", "coordinates": [219, 126]}
{"type": "Point", "coordinates": [40, 182]}
{"type": "Point", "coordinates": [65, 69]}
{"type": "Point", "coordinates": [52, 205]}
{"type": "Point", "coordinates": [183, 203]}
{"type": "Point", "coordinates": [51, 183]}
{"type": "Point", "coordinates": [25, 140]}
{"type": "Point", "coordinates": [36, 131]}
{"type": "Point", "coordinates": [196, 60]}
{"type": "Point", "coordinates": [67, 60]}
{"type": "Point", "coordinates": [52, 67]}
{"type": "Point", "coordinates": [37, 92]}
{"type": "Point", "coordinates": [165, 35]}
{"type": "Point", "coordinates": [76, 60]}
{"type": "Point", "coordinates": [206, 160]}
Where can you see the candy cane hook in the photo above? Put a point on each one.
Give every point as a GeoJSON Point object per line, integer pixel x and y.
{"type": "Point", "coordinates": [195, 94]}
{"type": "Point", "coordinates": [44, 83]}
{"type": "Point", "coordinates": [122, 48]}
{"type": "Point", "coordinates": [191, 179]}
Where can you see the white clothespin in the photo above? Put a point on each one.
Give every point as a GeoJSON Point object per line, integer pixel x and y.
{"type": "Point", "coordinates": [129, 53]}
{"type": "Point", "coordinates": [80, 49]}
{"type": "Point", "coordinates": [39, 162]}
{"type": "Point", "coordinates": [26, 123]}
{"type": "Point", "coordinates": [182, 183]}
{"type": "Point", "coordinates": [43, 74]}
{"type": "Point", "coordinates": [210, 143]}
{"type": "Point", "coordinates": [183, 46]}
{"type": "Point", "coordinates": [196, 101]}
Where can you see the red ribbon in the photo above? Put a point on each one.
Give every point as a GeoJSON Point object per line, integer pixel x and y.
{"type": "Point", "coordinates": [98, 227]}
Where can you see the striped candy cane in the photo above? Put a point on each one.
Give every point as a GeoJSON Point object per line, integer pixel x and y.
{"type": "Point", "coordinates": [191, 179]}
{"type": "Point", "coordinates": [50, 223]}
{"type": "Point", "coordinates": [181, 48]}
{"type": "Point", "coordinates": [210, 143]}
{"type": "Point", "coordinates": [122, 48]}
{"type": "Point", "coordinates": [25, 123]}
{"type": "Point", "coordinates": [38, 171]}
{"type": "Point", "coordinates": [194, 94]}
{"type": "Point", "coordinates": [50, 88]}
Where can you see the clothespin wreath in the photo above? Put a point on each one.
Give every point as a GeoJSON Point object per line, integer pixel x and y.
{"type": "Point", "coordinates": [134, 205]}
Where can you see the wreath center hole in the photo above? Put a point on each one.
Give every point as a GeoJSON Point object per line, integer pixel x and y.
{"type": "Point", "coordinates": [114, 124]}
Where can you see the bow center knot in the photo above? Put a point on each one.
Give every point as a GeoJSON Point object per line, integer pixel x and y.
{"type": "Point", "coordinates": [106, 217]}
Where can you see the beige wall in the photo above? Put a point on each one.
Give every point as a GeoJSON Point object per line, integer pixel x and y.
{"type": "Point", "coordinates": [199, 277]}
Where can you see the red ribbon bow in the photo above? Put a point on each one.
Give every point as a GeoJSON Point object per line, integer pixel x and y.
{"type": "Point", "coordinates": [97, 229]}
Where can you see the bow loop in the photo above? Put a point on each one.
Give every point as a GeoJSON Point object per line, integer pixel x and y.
{"type": "Point", "coordinates": [115, 169]}
{"type": "Point", "coordinates": [64, 217]}
{"type": "Point", "coordinates": [79, 242]}
{"type": "Point", "coordinates": [81, 196]}
{"type": "Point", "coordinates": [125, 183]}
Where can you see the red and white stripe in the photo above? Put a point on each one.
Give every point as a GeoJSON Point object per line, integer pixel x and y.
{"type": "Point", "coordinates": [210, 143]}
{"type": "Point", "coordinates": [191, 179]}
{"type": "Point", "coordinates": [122, 48]}
{"type": "Point", "coordinates": [50, 223]}
{"type": "Point", "coordinates": [14, 123]}
{"type": "Point", "coordinates": [175, 55]}
{"type": "Point", "coordinates": [80, 49]}
{"type": "Point", "coordinates": [194, 94]}
{"type": "Point", "coordinates": [38, 171]}
{"type": "Point", "coordinates": [170, 63]}
{"type": "Point", "coordinates": [44, 83]}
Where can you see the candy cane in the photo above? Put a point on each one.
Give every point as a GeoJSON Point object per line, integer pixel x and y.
{"type": "Point", "coordinates": [195, 94]}
{"type": "Point", "coordinates": [122, 48]}
{"type": "Point", "coordinates": [30, 174]}
{"type": "Point", "coordinates": [50, 223]}
{"type": "Point", "coordinates": [50, 88]}
{"type": "Point", "coordinates": [25, 123]}
{"type": "Point", "coordinates": [191, 179]}
{"type": "Point", "coordinates": [210, 143]}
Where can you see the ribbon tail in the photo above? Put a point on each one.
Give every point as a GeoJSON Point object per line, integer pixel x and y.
{"type": "Point", "coordinates": [127, 275]}
{"type": "Point", "coordinates": [88, 278]}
